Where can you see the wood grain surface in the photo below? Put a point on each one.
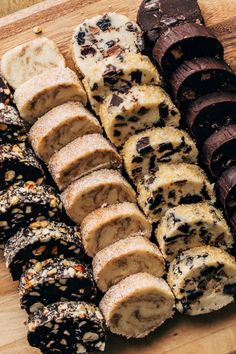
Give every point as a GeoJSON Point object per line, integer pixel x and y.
{"type": "Point", "coordinates": [9, 6]}
{"type": "Point", "coordinates": [210, 334]}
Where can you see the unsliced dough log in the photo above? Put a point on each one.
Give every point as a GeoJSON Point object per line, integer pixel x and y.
{"type": "Point", "coordinates": [105, 226]}
{"type": "Point", "coordinates": [60, 126]}
{"type": "Point", "coordinates": [100, 188]}
{"type": "Point", "coordinates": [45, 91]}
{"type": "Point", "coordinates": [137, 305]}
{"type": "Point", "coordinates": [126, 257]}
{"type": "Point", "coordinates": [203, 280]}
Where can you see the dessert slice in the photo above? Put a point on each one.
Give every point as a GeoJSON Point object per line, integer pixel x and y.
{"type": "Point", "coordinates": [12, 128]}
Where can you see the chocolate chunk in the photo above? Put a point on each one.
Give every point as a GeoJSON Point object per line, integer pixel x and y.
{"type": "Point", "coordinates": [116, 100]}
{"type": "Point", "coordinates": [87, 50]}
{"type": "Point", "coordinates": [230, 289]}
{"type": "Point", "coordinates": [190, 199]}
{"type": "Point", "coordinates": [165, 146]}
{"type": "Point", "coordinates": [193, 294]}
{"type": "Point", "coordinates": [80, 37]}
{"type": "Point", "coordinates": [112, 75]}
{"type": "Point", "coordinates": [143, 110]}
{"type": "Point", "coordinates": [143, 146]}
{"type": "Point", "coordinates": [164, 111]}
{"type": "Point", "coordinates": [226, 188]}
{"type": "Point", "coordinates": [104, 23]}
{"type": "Point", "coordinates": [136, 76]}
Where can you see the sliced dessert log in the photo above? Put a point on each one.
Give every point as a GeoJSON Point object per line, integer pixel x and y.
{"type": "Point", "coordinates": [126, 257]}
{"type": "Point", "coordinates": [203, 279]}
{"type": "Point", "coordinates": [173, 184]}
{"type": "Point", "coordinates": [18, 162]}
{"type": "Point", "coordinates": [25, 203]}
{"type": "Point", "coordinates": [226, 188]}
{"type": "Point", "coordinates": [193, 225]}
{"type": "Point", "coordinates": [25, 61]}
{"type": "Point", "coordinates": [102, 36]}
{"type": "Point", "coordinates": [82, 156]}
{"type": "Point", "coordinates": [155, 16]}
{"type": "Point", "coordinates": [210, 113]}
{"type": "Point", "coordinates": [55, 280]}
{"type": "Point", "coordinates": [219, 150]}
{"type": "Point", "coordinates": [137, 305]}
{"type": "Point", "coordinates": [12, 128]}
{"type": "Point", "coordinates": [105, 226]}
{"type": "Point", "coordinates": [60, 126]}
{"type": "Point", "coordinates": [67, 327]}
{"type": "Point", "coordinates": [124, 114]}
{"type": "Point", "coordinates": [6, 96]}
{"type": "Point", "coordinates": [47, 90]}
{"type": "Point", "coordinates": [185, 42]}
{"type": "Point", "coordinates": [98, 189]}
{"type": "Point", "coordinates": [120, 73]}
{"type": "Point", "coordinates": [144, 151]}
{"type": "Point", "coordinates": [40, 241]}
{"type": "Point", "coordinates": [201, 76]}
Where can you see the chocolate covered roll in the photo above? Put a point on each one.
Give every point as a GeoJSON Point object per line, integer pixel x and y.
{"type": "Point", "coordinates": [12, 128]}
{"type": "Point", "coordinates": [185, 42]}
{"type": "Point", "coordinates": [6, 96]}
{"type": "Point", "coordinates": [219, 150]}
{"type": "Point", "coordinates": [40, 241]}
{"type": "Point", "coordinates": [198, 77]}
{"type": "Point", "coordinates": [55, 280]}
{"type": "Point", "coordinates": [210, 113]}
{"type": "Point", "coordinates": [226, 188]}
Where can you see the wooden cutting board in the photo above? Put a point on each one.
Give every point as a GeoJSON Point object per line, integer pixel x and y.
{"type": "Point", "coordinates": [210, 334]}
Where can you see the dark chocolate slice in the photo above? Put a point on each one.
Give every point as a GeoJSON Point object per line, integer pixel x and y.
{"type": "Point", "coordinates": [226, 189]}
{"type": "Point", "coordinates": [12, 128]}
{"type": "Point", "coordinates": [210, 113]}
{"type": "Point", "coordinates": [185, 42]}
{"type": "Point", "coordinates": [6, 96]}
{"type": "Point", "coordinates": [155, 16]}
{"type": "Point", "coordinates": [198, 77]}
{"type": "Point", "coordinates": [219, 150]}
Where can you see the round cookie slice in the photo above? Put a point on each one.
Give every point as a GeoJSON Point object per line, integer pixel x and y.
{"type": "Point", "coordinates": [144, 151]}
{"type": "Point", "coordinates": [12, 129]}
{"type": "Point", "coordinates": [171, 185]}
{"type": "Point", "coordinates": [6, 96]}
{"type": "Point", "coordinates": [67, 327]}
{"type": "Point", "coordinates": [203, 280]}
{"type": "Point", "coordinates": [125, 257]}
{"type": "Point", "coordinates": [105, 226]}
{"type": "Point", "coordinates": [82, 156]}
{"type": "Point", "coordinates": [226, 188]}
{"type": "Point", "coordinates": [98, 189]}
{"type": "Point", "coordinates": [192, 225]}
{"type": "Point", "coordinates": [137, 305]}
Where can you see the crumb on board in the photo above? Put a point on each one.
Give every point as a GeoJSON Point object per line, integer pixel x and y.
{"type": "Point", "coordinates": [37, 29]}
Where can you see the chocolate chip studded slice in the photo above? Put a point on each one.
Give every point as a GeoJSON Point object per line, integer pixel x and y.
{"type": "Point", "coordinates": [185, 42]}
{"type": "Point", "coordinates": [82, 156]}
{"type": "Point", "coordinates": [137, 305]}
{"type": "Point", "coordinates": [226, 188]}
{"type": "Point", "coordinates": [210, 113]}
{"type": "Point", "coordinates": [25, 203]}
{"type": "Point", "coordinates": [193, 225]}
{"type": "Point", "coordinates": [203, 280]}
{"type": "Point", "coordinates": [40, 241]}
{"type": "Point", "coordinates": [47, 90]}
{"type": "Point", "coordinates": [98, 189]}
{"type": "Point", "coordinates": [171, 185]}
{"type": "Point", "coordinates": [141, 107]}
{"type": "Point", "coordinates": [125, 257]}
{"type": "Point", "coordinates": [18, 163]}
{"type": "Point", "coordinates": [55, 280]}
{"type": "Point", "coordinates": [6, 96]}
{"type": "Point", "coordinates": [119, 73]}
{"type": "Point", "coordinates": [12, 128]}
{"type": "Point", "coordinates": [144, 151]}
{"type": "Point", "coordinates": [102, 36]}
{"type": "Point", "coordinates": [105, 226]}
{"type": "Point", "coordinates": [201, 76]}
{"type": "Point", "coordinates": [67, 327]}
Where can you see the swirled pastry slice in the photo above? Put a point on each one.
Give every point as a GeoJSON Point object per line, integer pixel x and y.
{"type": "Point", "coordinates": [60, 126]}
{"type": "Point", "coordinates": [125, 257]}
{"type": "Point", "coordinates": [137, 305]}
{"type": "Point", "coordinates": [82, 156]}
{"type": "Point", "coordinates": [193, 225]}
{"type": "Point", "coordinates": [105, 226]}
{"type": "Point", "coordinates": [203, 279]}
{"type": "Point", "coordinates": [100, 188]}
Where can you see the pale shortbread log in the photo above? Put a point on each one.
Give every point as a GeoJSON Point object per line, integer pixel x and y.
{"type": "Point", "coordinates": [144, 151]}
{"type": "Point", "coordinates": [60, 126]}
{"type": "Point", "coordinates": [137, 305]}
{"type": "Point", "coordinates": [171, 185]}
{"type": "Point", "coordinates": [98, 189]}
{"type": "Point", "coordinates": [119, 73]}
{"type": "Point", "coordinates": [193, 225]}
{"type": "Point", "coordinates": [45, 91]}
{"type": "Point", "coordinates": [103, 36]}
{"type": "Point", "coordinates": [203, 279]}
{"type": "Point", "coordinates": [25, 61]}
{"type": "Point", "coordinates": [126, 257]}
{"type": "Point", "coordinates": [82, 156]}
{"type": "Point", "coordinates": [105, 226]}
{"type": "Point", "coordinates": [124, 114]}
